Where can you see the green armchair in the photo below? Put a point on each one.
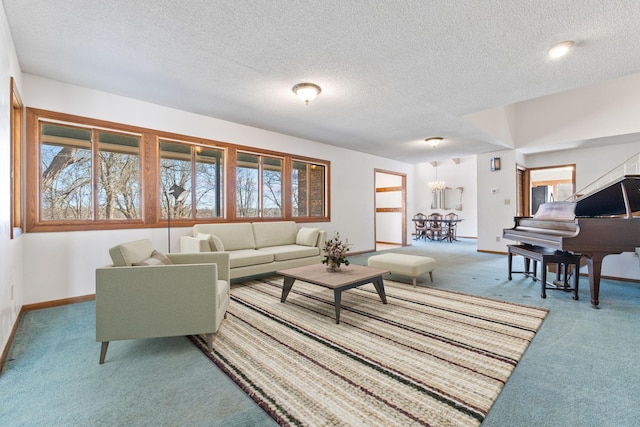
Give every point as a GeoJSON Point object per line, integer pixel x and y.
{"type": "Point", "coordinates": [145, 294]}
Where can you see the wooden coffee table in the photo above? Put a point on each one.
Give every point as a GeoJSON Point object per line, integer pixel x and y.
{"type": "Point", "coordinates": [349, 277]}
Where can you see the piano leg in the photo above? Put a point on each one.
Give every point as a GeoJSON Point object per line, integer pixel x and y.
{"type": "Point", "coordinates": [594, 263]}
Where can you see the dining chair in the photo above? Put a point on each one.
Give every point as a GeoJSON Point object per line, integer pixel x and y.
{"type": "Point", "coordinates": [421, 224]}
{"type": "Point", "coordinates": [436, 230]}
{"type": "Point", "coordinates": [451, 226]}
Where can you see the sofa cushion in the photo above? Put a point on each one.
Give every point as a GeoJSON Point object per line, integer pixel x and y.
{"type": "Point", "coordinates": [245, 257]}
{"type": "Point", "coordinates": [126, 254]}
{"type": "Point", "coordinates": [274, 233]}
{"type": "Point", "coordinates": [287, 252]}
{"type": "Point", "coordinates": [234, 236]}
{"type": "Point", "coordinates": [214, 241]}
{"type": "Point", "coordinates": [307, 236]}
{"type": "Point", "coordinates": [156, 258]}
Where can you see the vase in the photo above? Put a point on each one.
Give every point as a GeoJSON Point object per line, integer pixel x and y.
{"type": "Point", "coordinates": [332, 267]}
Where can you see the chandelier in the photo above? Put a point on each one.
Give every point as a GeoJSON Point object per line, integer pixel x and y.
{"type": "Point", "coordinates": [435, 185]}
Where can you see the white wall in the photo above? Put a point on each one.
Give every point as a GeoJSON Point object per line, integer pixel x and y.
{"type": "Point", "coordinates": [601, 110]}
{"type": "Point", "coordinates": [11, 285]}
{"type": "Point", "coordinates": [67, 261]}
{"type": "Point", "coordinates": [454, 175]}
{"type": "Point", "coordinates": [496, 200]}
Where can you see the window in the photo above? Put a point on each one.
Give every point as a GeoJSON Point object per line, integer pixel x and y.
{"type": "Point", "coordinates": [308, 189]}
{"type": "Point", "coordinates": [196, 169]}
{"type": "Point", "coordinates": [258, 186]}
{"type": "Point", "coordinates": [118, 176]}
{"type": "Point", "coordinates": [68, 156]}
{"type": "Point", "coordinates": [87, 174]}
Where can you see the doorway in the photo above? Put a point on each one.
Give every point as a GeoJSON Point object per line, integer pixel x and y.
{"type": "Point", "coordinates": [390, 209]}
{"type": "Point", "coordinates": [544, 185]}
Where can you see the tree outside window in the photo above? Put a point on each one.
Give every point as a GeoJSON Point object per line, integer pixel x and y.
{"type": "Point", "coordinates": [88, 174]}
{"type": "Point", "coordinates": [67, 159]}
{"type": "Point", "coordinates": [258, 186]}
{"type": "Point", "coordinates": [196, 169]}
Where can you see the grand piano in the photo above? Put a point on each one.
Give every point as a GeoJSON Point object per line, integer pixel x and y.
{"type": "Point", "coordinates": [595, 225]}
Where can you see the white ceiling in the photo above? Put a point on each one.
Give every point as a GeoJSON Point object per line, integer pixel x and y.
{"type": "Point", "coordinates": [392, 72]}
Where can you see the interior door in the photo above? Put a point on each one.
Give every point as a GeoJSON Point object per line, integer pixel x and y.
{"type": "Point", "coordinates": [390, 208]}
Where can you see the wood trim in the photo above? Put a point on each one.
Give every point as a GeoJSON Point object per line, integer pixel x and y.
{"type": "Point", "coordinates": [390, 210]}
{"type": "Point", "coordinates": [16, 122]}
{"type": "Point", "coordinates": [58, 302]}
{"type": "Point", "coordinates": [385, 189]}
{"type": "Point", "coordinates": [12, 334]}
{"type": "Point", "coordinates": [38, 306]}
{"type": "Point", "coordinates": [402, 209]}
{"type": "Point", "coordinates": [150, 197]}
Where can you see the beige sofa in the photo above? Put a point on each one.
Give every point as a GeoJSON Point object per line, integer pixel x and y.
{"type": "Point", "coordinates": [260, 247]}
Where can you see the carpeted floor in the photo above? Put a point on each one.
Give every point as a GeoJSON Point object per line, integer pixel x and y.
{"type": "Point", "coordinates": [427, 357]}
{"type": "Point", "coordinates": [580, 369]}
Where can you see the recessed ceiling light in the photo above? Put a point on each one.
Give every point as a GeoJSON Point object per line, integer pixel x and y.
{"type": "Point", "coordinates": [560, 49]}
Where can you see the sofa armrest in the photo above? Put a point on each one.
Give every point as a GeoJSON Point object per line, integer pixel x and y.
{"type": "Point", "coordinates": [221, 259]}
{"type": "Point", "coordinates": [190, 244]}
{"type": "Point", "coordinates": [322, 237]}
{"type": "Point", "coordinates": [152, 301]}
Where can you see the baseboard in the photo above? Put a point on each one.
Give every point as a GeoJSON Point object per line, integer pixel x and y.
{"type": "Point", "coordinates": [38, 306]}
{"type": "Point", "coordinates": [58, 302]}
{"type": "Point", "coordinates": [12, 334]}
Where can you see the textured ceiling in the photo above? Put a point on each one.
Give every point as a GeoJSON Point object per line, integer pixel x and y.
{"type": "Point", "coordinates": [392, 72]}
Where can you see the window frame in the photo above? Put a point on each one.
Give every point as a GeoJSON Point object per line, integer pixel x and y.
{"type": "Point", "coordinates": [16, 117]}
{"type": "Point", "coordinates": [261, 168]}
{"type": "Point", "coordinates": [150, 178]}
{"type": "Point", "coordinates": [193, 161]}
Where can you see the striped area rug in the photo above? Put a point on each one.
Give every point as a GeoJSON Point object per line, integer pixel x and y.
{"type": "Point", "coordinates": [428, 357]}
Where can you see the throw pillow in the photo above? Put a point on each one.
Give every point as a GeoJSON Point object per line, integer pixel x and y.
{"type": "Point", "coordinates": [215, 244]}
{"type": "Point", "coordinates": [307, 236]}
{"type": "Point", "coordinates": [156, 258]}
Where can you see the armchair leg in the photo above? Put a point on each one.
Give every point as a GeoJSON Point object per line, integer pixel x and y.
{"type": "Point", "coordinates": [103, 351]}
{"type": "Point", "coordinates": [209, 342]}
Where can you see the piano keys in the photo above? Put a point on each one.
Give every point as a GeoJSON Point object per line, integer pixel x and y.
{"type": "Point", "coordinates": [597, 224]}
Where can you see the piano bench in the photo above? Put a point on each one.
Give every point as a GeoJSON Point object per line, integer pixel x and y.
{"type": "Point", "coordinates": [546, 256]}
{"type": "Point", "coordinates": [404, 264]}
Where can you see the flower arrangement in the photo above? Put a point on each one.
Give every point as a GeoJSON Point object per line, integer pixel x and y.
{"type": "Point", "coordinates": [335, 253]}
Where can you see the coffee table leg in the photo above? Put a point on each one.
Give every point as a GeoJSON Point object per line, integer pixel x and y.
{"type": "Point", "coordinates": [337, 296]}
{"type": "Point", "coordinates": [288, 283]}
{"type": "Point", "coordinates": [379, 284]}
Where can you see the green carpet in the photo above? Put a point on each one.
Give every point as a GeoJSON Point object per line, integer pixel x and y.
{"type": "Point", "coordinates": [581, 369]}
{"type": "Point", "coordinates": [428, 357]}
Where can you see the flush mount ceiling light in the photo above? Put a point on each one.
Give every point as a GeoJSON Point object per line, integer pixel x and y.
{"type": "Point", "coordinates": [560, 49]}
{"type": "Point", "coordinates": [306, 91]}
{"type": "Point", "coordinates": [434, 141]}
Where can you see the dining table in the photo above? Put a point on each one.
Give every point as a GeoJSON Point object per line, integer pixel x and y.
{"type": "Point", "coordinates": [450, 236]}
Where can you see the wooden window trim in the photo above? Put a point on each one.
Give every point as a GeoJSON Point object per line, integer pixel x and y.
{"type": "Point", "coordinates": [16, 117]}
{"type": "Point", "coordinates": [150, 177]}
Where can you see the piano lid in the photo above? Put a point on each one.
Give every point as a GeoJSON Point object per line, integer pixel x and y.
{"type": "Point", "coordinates": [611, 199]}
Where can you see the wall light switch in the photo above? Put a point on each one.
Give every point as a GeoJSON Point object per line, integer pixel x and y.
{"type": "Point", "coordinates": [507, 201]}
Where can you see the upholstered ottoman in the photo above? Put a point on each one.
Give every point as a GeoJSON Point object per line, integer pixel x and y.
{"type": "Point", "coordinates": [407, 265]}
